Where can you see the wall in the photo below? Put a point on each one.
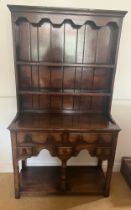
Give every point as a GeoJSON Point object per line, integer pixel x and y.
{"type": "Point", "coordinates": [121, 108]}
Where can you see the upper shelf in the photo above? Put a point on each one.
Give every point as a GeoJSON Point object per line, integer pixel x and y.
{"type": "Point", "coordinates": [64, 92]}
{"type": "Point", "coordinates": [57, 64]}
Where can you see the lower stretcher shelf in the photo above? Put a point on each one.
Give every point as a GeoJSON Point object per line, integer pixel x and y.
{"type": "Point", "coordinates": [46, 180]}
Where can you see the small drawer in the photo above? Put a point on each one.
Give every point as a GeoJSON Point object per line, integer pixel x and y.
{"type": "Point", "coordinates": [91, 138]}
{"type": "Point", "coordinates": [103, 152]}
{"type": "Point", "coordinates": [24, 152]}
{"type": "Point", "coordinates": [64, 150]}
{"type": "Point", "coordinates": [64, 153]}
{"type": "Point", "coordinates": [38, 137]}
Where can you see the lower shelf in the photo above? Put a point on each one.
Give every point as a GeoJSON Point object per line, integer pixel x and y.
{"type": "Point", "coordinates": [46, 180]}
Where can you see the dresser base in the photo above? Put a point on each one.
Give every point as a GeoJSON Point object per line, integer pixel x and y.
{"type": "Point", "coordinates": [46, 180]}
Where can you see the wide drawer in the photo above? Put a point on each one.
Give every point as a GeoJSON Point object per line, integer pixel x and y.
{"type": "Point", "coordinates": [91, 138]}
{"type": "Point", "coordinates": [38, 137]}
{"type": "Point", "coordinates": [64, 138]}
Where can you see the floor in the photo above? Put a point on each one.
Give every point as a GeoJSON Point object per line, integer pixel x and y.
{"type": "Point", "coordinates": [120, 198]}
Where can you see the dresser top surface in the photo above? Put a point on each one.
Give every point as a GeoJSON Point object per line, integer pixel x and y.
{"type": "Point", "coordinates": [63, 122]}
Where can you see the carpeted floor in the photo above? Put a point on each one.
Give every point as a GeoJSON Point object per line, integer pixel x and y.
{"type": "Point", "coordinates": [120, 198]}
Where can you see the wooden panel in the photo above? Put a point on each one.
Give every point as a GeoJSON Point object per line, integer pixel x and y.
{"type": "Point", "coordinates": [44, 77]}
{"type": "Point", "coordinates": [70, 43]}
{"type": "Point", "coordinates": [24, 41]}
{"type": "Point", "coordinates": [44, 102]}
{"type": "Point", "coordinates": [114, 42]}
{"type": "Point", "coordinates": [57, 44]}
{"type": "Point", "coordinates": [17, 40]}
{"type": "Point", "coordinates": [105, 45]}
{"type": "Point", "coordinates": [26, 102]}
{"type": "Point", "coordinates": [68, 102]}
{"type": "Point", "coordinates": [99, 103]}
{"type": "Point", "coordinates": [56, 78]}
{"type": "Point", "coordinates": [87, 78]}
{"type": "Point", "coordinates": [76, 103]}
{"type": "Point", "coordinates": [84, 102]}
{"type": "Point", "coordinates": [35, 77]}
{"type": "Point", "coordinates": [53, 43]}
{"type": "Point", "coordinates": [90, 44]}
{"type": "Point", "coordinates": [36, 102]}
{"type": "Point", "coordinates": [53, 103]}
{"type": "Point", "coordinates": [56, 102]}
{"type": "Point", "coordinates": [34, 43]}
{"type": "Point", "coordinates": [25, 77]}
{"type": "Point", "coordinates": [80, 44]}
{"type": "Point", "coordinates": [78, 75]}
{"type": "Point", "coordinates": [69, 78]}
{"type": "Point", "coordinates": [44, 32]}
{"type": "Point", "coordinates": [102, 79]}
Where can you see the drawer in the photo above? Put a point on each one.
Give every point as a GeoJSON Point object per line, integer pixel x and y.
{"type": "Point", "coordinates": [91, 138]}
{"type": "Point", "coordinates": [103, 152]}
{"type": "Point", "coordinates": [64, 153]}
{"type": "Point", "coordinates": [38, 137]}
{"type": "Point", "coordinates": [43, 137]}
{"type": "Point", "coordinates": [24, 152]}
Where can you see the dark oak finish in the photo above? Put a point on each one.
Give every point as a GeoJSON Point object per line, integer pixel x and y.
{"type": "Point", "coordinates": [65, 63]}
{"type": "Point", "coordinates": [46, 180]}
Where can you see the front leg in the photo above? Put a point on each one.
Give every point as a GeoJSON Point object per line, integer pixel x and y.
{"type": "Point", "coordinates": [15, 165]}
{"type": "Point", "coordinates": [24, 162]}
{"type": "Point", "coordinates": [99, 163]}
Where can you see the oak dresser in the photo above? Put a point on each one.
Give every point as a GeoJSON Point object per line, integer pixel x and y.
{"type": "Point", "coordinates": [65, 63]}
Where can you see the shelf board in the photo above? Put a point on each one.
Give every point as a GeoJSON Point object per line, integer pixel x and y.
{"type": "Point", "coordinates": [61, 93]}
{"type": "Point", "coordinates": [64, 111]}
{"type": "Point", "coordinates": [56, 64]}
{"type": "Point", "coordinates": [46, 180]}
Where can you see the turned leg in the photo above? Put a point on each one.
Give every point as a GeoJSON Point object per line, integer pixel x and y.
{"type": "Point", "coordinates": [15, 166]}
{"type": "Point", "coordinates": [99, 163]}
{"type": "Point", "coordinates": [24, 164]}
{"type": "Point", "coordinates": [63, 175]}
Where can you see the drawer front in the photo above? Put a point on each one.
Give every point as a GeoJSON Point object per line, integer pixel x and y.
{"type": "Point", "coordinates": [24, 152]}
{"type": "Point", "coordinates": [64, 153]}
{"type": "Point", "coordinates": [91, 138]}
{"type": "Point", "coordinates": [64, 145]}
{"type": "Point", "coordinates": [64, 138]}
{"type": "Point", "coordinates": [38, 137]}
{"type": "Point", "coordinates": [103, 152]}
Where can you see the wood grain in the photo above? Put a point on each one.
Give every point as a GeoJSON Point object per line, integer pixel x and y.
{"type": "Point", "coordinates": [65, 64]}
